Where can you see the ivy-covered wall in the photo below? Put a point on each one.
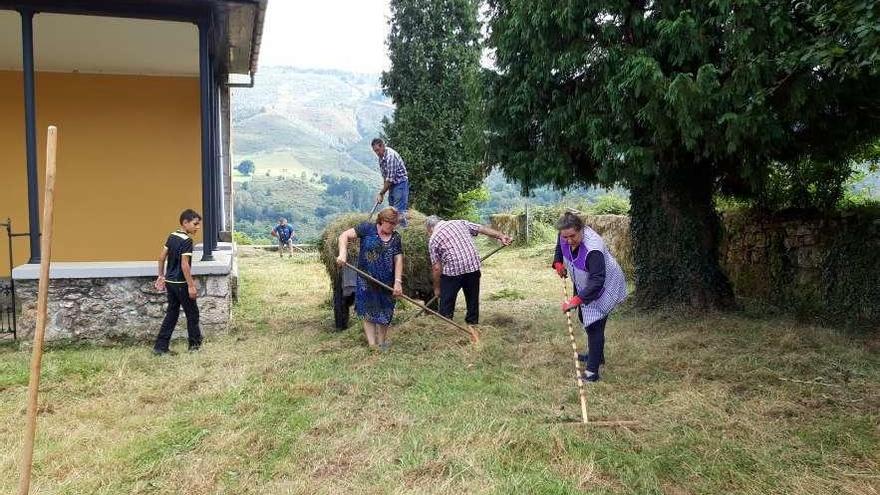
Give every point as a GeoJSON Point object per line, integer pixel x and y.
{"type": "Point", "coordinates": [824, 266]}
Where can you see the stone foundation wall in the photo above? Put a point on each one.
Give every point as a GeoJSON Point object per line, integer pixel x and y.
{"type": "Point", "coordinates": [118, 309]}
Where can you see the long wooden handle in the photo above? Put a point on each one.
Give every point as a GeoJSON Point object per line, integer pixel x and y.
{"type": "Point", "coordinates": [475, 337]}
{"type": "Point", "coordinates": [577, 364]}
{"type": "Point", "coordinates": [431, 301]}
{"type": "Point", "coordinates": [42, 300]}
{"type": "Point", "coordinates": [499, 248]}
{"type": "Point", "coordinates": [370, 218]}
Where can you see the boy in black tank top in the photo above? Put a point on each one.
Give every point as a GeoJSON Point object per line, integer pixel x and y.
{"type": "Point", "coordinates": [175, 278]}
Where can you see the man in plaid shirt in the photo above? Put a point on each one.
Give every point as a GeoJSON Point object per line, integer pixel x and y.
{"type": "Point", "coordinates": [456, 264]}
{"type": "Point", "coordinates": [395, 181]}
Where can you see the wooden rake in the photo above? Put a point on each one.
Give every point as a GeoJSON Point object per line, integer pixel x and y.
{"type": "Point", "coordinates": [582, 392]}
{"type": "Point", "coordinates": [472, 333]}
{"type": "Point", "coordinates": [373, 211]}
{"type": "Point", "coordinates": [577, 363]}
{"type": "Point", "coordinates": [431, 301]}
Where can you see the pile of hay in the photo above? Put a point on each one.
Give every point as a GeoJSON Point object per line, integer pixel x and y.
{"type": "Point", "coordinates": [416, 264]}
{"type": "Point", "coordinates": [510, 224]}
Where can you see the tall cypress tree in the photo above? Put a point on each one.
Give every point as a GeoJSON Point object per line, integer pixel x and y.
{"type": "Point", "coordinates": [677, 100]}
{"type": "Point", "coordinates": [434, 83]}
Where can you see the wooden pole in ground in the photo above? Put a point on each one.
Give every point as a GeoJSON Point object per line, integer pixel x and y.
{"type": "Point", "coordinates": [42, 300]}
{"type": "Point", "coordinates": [577, 364]}
{"type": "Point", "coordinates": [475, 337]}
{"type": "Point", "coordinates": [431, 301]}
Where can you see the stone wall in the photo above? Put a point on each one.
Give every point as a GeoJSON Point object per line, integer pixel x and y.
{"type": "Point", "coordinates": [814, 266]}
{"type": "Point", "coordinates": [119, 309]}
{"type": "Point", "coordinates": [614, 229]}
{"type": "Point", "coordinates": [762, 255]}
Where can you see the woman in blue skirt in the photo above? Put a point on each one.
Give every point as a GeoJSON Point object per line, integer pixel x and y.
{"type": "Point", "coordinates": [381, 255]}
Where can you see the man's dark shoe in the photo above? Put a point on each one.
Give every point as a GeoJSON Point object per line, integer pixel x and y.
{"type": "Point", "coordinates": [194, 348]}
{"type": "Point", "coordinates": [159, 352]}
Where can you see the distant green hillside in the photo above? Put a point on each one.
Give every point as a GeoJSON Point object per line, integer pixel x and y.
{"type": "Point", "coordinates": [310, 121]}
{"type": "Point", "coordinates": [261, 201]}
{"type": "Point", "coordinates": [308, 134]}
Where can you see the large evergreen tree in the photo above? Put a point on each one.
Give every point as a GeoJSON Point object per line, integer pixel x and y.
{"type": "Point", "coordinates": [677, 100]}
{"type": "Point", "coordinates": [434, 83]}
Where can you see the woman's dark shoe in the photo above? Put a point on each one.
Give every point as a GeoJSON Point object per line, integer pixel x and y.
{"type": "Point", "coordinates": [587, 377]}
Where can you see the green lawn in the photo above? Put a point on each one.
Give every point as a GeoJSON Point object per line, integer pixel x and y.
{"type": "Point", "coordinates": [726, 403]}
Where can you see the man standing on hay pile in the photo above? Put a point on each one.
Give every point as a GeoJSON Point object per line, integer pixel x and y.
{"type": "Point", "coordinates": [395, 179]}
{"type": "Point", "coordinates": [599, 284]}
{"type": "Point", "coordinates": [455, 263]}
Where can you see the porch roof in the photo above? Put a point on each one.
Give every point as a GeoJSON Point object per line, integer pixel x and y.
{"type": "Point", "coordinates": [135, 40]}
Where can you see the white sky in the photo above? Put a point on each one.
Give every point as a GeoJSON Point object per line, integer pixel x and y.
{"type": "Point", "coordinates": [326, 34]}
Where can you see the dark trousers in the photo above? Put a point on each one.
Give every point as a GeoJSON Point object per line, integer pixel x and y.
{"type": "Point", "coordinates": [178, 296]}
{"type": "Point", "coordinates": [449, 287]}
{"type": "Point", "coordinates": [596, 344]}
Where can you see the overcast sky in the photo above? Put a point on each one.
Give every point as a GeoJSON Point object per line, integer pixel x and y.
{"type": "Point", "coordinates": [326, 34]}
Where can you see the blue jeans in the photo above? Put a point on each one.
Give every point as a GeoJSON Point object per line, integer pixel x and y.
{"type": "Point", "coordinates": [398, 197]}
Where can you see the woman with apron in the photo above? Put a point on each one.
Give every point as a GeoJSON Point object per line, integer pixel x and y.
{"type": "Point", "coordinates": [599, 284]}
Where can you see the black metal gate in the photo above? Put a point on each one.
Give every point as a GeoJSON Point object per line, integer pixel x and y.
{"type": "Point", "coordinates": [7, 292]}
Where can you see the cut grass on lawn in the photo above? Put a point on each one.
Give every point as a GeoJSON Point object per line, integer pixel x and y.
{"type": "Point", "coordinates": [728, 403]}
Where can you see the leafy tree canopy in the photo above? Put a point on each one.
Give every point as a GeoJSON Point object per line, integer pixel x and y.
{"type": "Point", "coordinates": [678, 101]}
{"type": "Point", "coordinates": [434, 81]}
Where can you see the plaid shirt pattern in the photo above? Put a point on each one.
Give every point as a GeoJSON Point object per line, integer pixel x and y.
{"type": "Point", "coordinates": [452, 244]}
{"type": "Point", "coordinates": [392, 167]}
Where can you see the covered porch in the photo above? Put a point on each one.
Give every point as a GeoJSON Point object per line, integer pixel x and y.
{"type": "Point", "coordinates": [140, 92]}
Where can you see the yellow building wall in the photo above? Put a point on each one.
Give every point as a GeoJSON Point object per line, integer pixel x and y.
{"type": "Point", "coordinates": [129, 161]}
{"type": "Point", "coordinates": [13, 192]}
